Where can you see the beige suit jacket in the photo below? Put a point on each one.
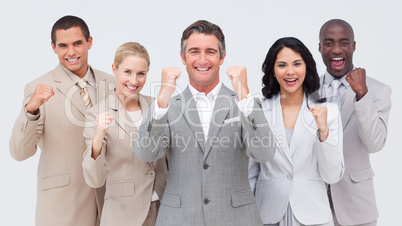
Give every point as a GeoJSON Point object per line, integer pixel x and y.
{"type": "Point", "coordinates": [129, 182]}
{"type": "Point", "coordinates": [63, 198]}
{"type": "Point", "coordinates": [364, 132]}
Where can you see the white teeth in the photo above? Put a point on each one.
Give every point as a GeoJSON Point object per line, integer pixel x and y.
{"type": "Point", "coordinates": [131, 87]}
{"type": "Point", "coordinates": [203, 69]}
{"type": "Point", "coordinates": [72, 60]}
{"type": "Point", "coordinates": [337, 58]}
{"type": "Point", "coordinates": [290, 80]}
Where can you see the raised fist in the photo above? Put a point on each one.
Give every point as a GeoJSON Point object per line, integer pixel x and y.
{"type": "Point", "coordinates": [169, 77]}
{"type": "Point", "coordinates": [238, 76]}
{"type": "Point", "coordinates": [41, 94]}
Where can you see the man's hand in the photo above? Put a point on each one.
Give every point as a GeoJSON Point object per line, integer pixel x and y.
{"type": "Point", "coordinates": [320, 116]}
{"type": "Point", "coordinates": [102, 125]}
{"type": "Point", "coordinates": [357, 81]}
{"type": "Point", "coordinates": [238, 76]}
{"type": "Point", "coordinates": [169, 77]}
{"type": "Point", "coordinates": [41, 94]}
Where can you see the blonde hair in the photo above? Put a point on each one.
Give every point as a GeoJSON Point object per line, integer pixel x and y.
{"type": "Point", "coordinates": [130, 49]}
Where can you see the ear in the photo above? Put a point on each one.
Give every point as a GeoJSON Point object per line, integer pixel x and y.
{"type": "Point", "coordinates": [354, 46]}
{"type": "Point", "coordinates": [89, 42]}
{"type": "Point", "coordinates": [222, 59]}
{"type": "Point", "coordinates": [182, 58]}
{"type": "Point", "coordinates": [319, 47]}
{"type": "Point", "coordinates": [114, 69]}
{"type": "Point", "coordinates": [53, 47]}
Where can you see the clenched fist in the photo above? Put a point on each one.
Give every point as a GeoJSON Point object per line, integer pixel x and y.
{"type": "Point", "coordinates": [238, 76]}
{"type": "Point", "coordinates": [102, 125]}
{"type": "Point", "coordinates": [320, 116]}
{"type": "Point", "coordinates": [169, 77]}
{"type": "Point", "coordinates": [41, 94]}
{"type": "Point", "coordinates": [357, 81]}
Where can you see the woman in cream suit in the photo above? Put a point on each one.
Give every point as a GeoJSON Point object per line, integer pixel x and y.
{"type": "Point", "coordinates": [291, 188]}
{"type": "Point", "coordinates": [133, 188]}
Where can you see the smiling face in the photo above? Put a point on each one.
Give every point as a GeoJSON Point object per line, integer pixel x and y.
{"type": "Point", "coordinates": [131, 76]}
{"type": "Point", "coordinates": [337, 46]}
{"type": "Point", "coordinates": [72, 48]}
{"type": "Point", "coordinates": [202, 60]}
{"type": "Point", "coordinates": [290, 71]}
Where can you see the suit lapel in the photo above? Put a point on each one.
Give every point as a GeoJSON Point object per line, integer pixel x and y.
{"type": "Point", "coordinates": [188, 107]}
{"type": "Point", "coordinates": [303, 124]}
{"type": "Point", "coordinates": [348, 107]}
{"type": "Point", "coordinates": [71, 92]}
{"type": "Point", "coordinates": [223, 104]}
{"type": "Point", "coordinates": [275, 119]}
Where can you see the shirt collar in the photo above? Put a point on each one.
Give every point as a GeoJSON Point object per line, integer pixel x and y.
{"type": "Point", "coordinates": [89, 76]}
{"type": "Point", "coordinates": [328, 79]}
{"type": "Point", "coordinates": [211, 95]}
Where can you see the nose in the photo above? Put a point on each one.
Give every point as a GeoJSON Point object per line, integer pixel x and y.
{"type": "Point", "coordinates": [133, 79]}
{"type": "Point", "coordinates": [203, 58]}
{"type": "Point", "coordinates": [290, 70]}
{"type": "Point", "coordinates": [70, 50]}
{"type": "Point", "coordinates": [337, 49]}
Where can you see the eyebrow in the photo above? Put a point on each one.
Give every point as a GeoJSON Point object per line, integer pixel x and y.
{"type": "Point", "coordinates": [197, 49]}
{"type": "Point", "coordinates": [76, 42]}
{"type": "Point", "coordinates": [331, 39]}
{"type": "Point", "coordinates": [283, 62]}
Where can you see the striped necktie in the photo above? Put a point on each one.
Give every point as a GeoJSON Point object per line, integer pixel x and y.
{"type": "Point", "coordinates": [84, 92]}
{"type": "Point", "coordinates": [335, 91]}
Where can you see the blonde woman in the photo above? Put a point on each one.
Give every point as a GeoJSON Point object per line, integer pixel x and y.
{"type": "Point", "coordinates": [133, 188]}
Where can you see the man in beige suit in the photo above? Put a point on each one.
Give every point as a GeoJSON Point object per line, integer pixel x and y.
{"type": "Point", "coordinates": [52, 117]}
{"type": "Point", "coordinates": [365, 104]}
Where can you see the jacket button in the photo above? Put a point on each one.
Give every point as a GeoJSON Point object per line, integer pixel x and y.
{"type": "Point", "coordinates": [151, 173]}
{"type": "Point", "coordinates": [253, 124]}
{"type": "Point", "coordinates": [290, 177]}
{"type": "Point", "coordinates": [206, 201]}
{"type": "Point", "coordinates": [205, 166]}
{"type": "Point", "coordinates": [149, 127]}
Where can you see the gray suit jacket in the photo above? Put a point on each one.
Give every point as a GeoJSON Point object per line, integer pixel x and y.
{"type": "Point", "coordinates": [364, 132]}
{"type": "Point", "coordinates": [129, 181]}
{"type": "Point", "coordinates": [208, 180]}
{"type": "Point", "coordinates": [63, 198]}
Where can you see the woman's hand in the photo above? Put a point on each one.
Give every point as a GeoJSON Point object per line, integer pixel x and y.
{"type": "Point", "coordinates": [102, 125]}
{"type": "Point", "coordinates": [320, 116]}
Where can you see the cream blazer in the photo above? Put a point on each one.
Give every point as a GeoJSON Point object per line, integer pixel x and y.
{"type": "Point", "coordinates": [129, 182]}
{"type": "Point", "coordinates": [299, 171]}
{"type": "Point", "coordinates": [63, 198]}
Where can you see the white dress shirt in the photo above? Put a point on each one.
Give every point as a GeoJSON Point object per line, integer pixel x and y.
{"type": "Point", "coordinates": [205, 106]}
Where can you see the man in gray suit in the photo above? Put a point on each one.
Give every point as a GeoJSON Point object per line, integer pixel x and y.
{"type": "Point", "coordinates": [365, 104]}
{"type": "Point", "coordinates": [208, 132]}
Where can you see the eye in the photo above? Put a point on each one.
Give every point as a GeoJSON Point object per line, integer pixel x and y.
{"type": "Point", "coordinates": [327, 44]}
{"type": "Point", "coordinates": [298, 63]}
{"type": "Point", "coordinates": [345, 43]}
{"type": "Point", "coordinates": [127, 71]}
{"type": "Point", "coordinates": [141, 73]}
{"type": "Point", "coordinates": [281, 65]}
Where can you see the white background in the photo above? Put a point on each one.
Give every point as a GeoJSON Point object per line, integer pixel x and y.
{"type": "Point", "coordinates": [250, 28]}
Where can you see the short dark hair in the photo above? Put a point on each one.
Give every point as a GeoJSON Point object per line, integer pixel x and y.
{"type": "Point", "coordinates": [336, 22]}
{"type": "Point", "coordinates": [271, 86]}
{"type": "Point", "coordinates": [204, 27]}
{"type": "Point", "coordinates": [68, 22]}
